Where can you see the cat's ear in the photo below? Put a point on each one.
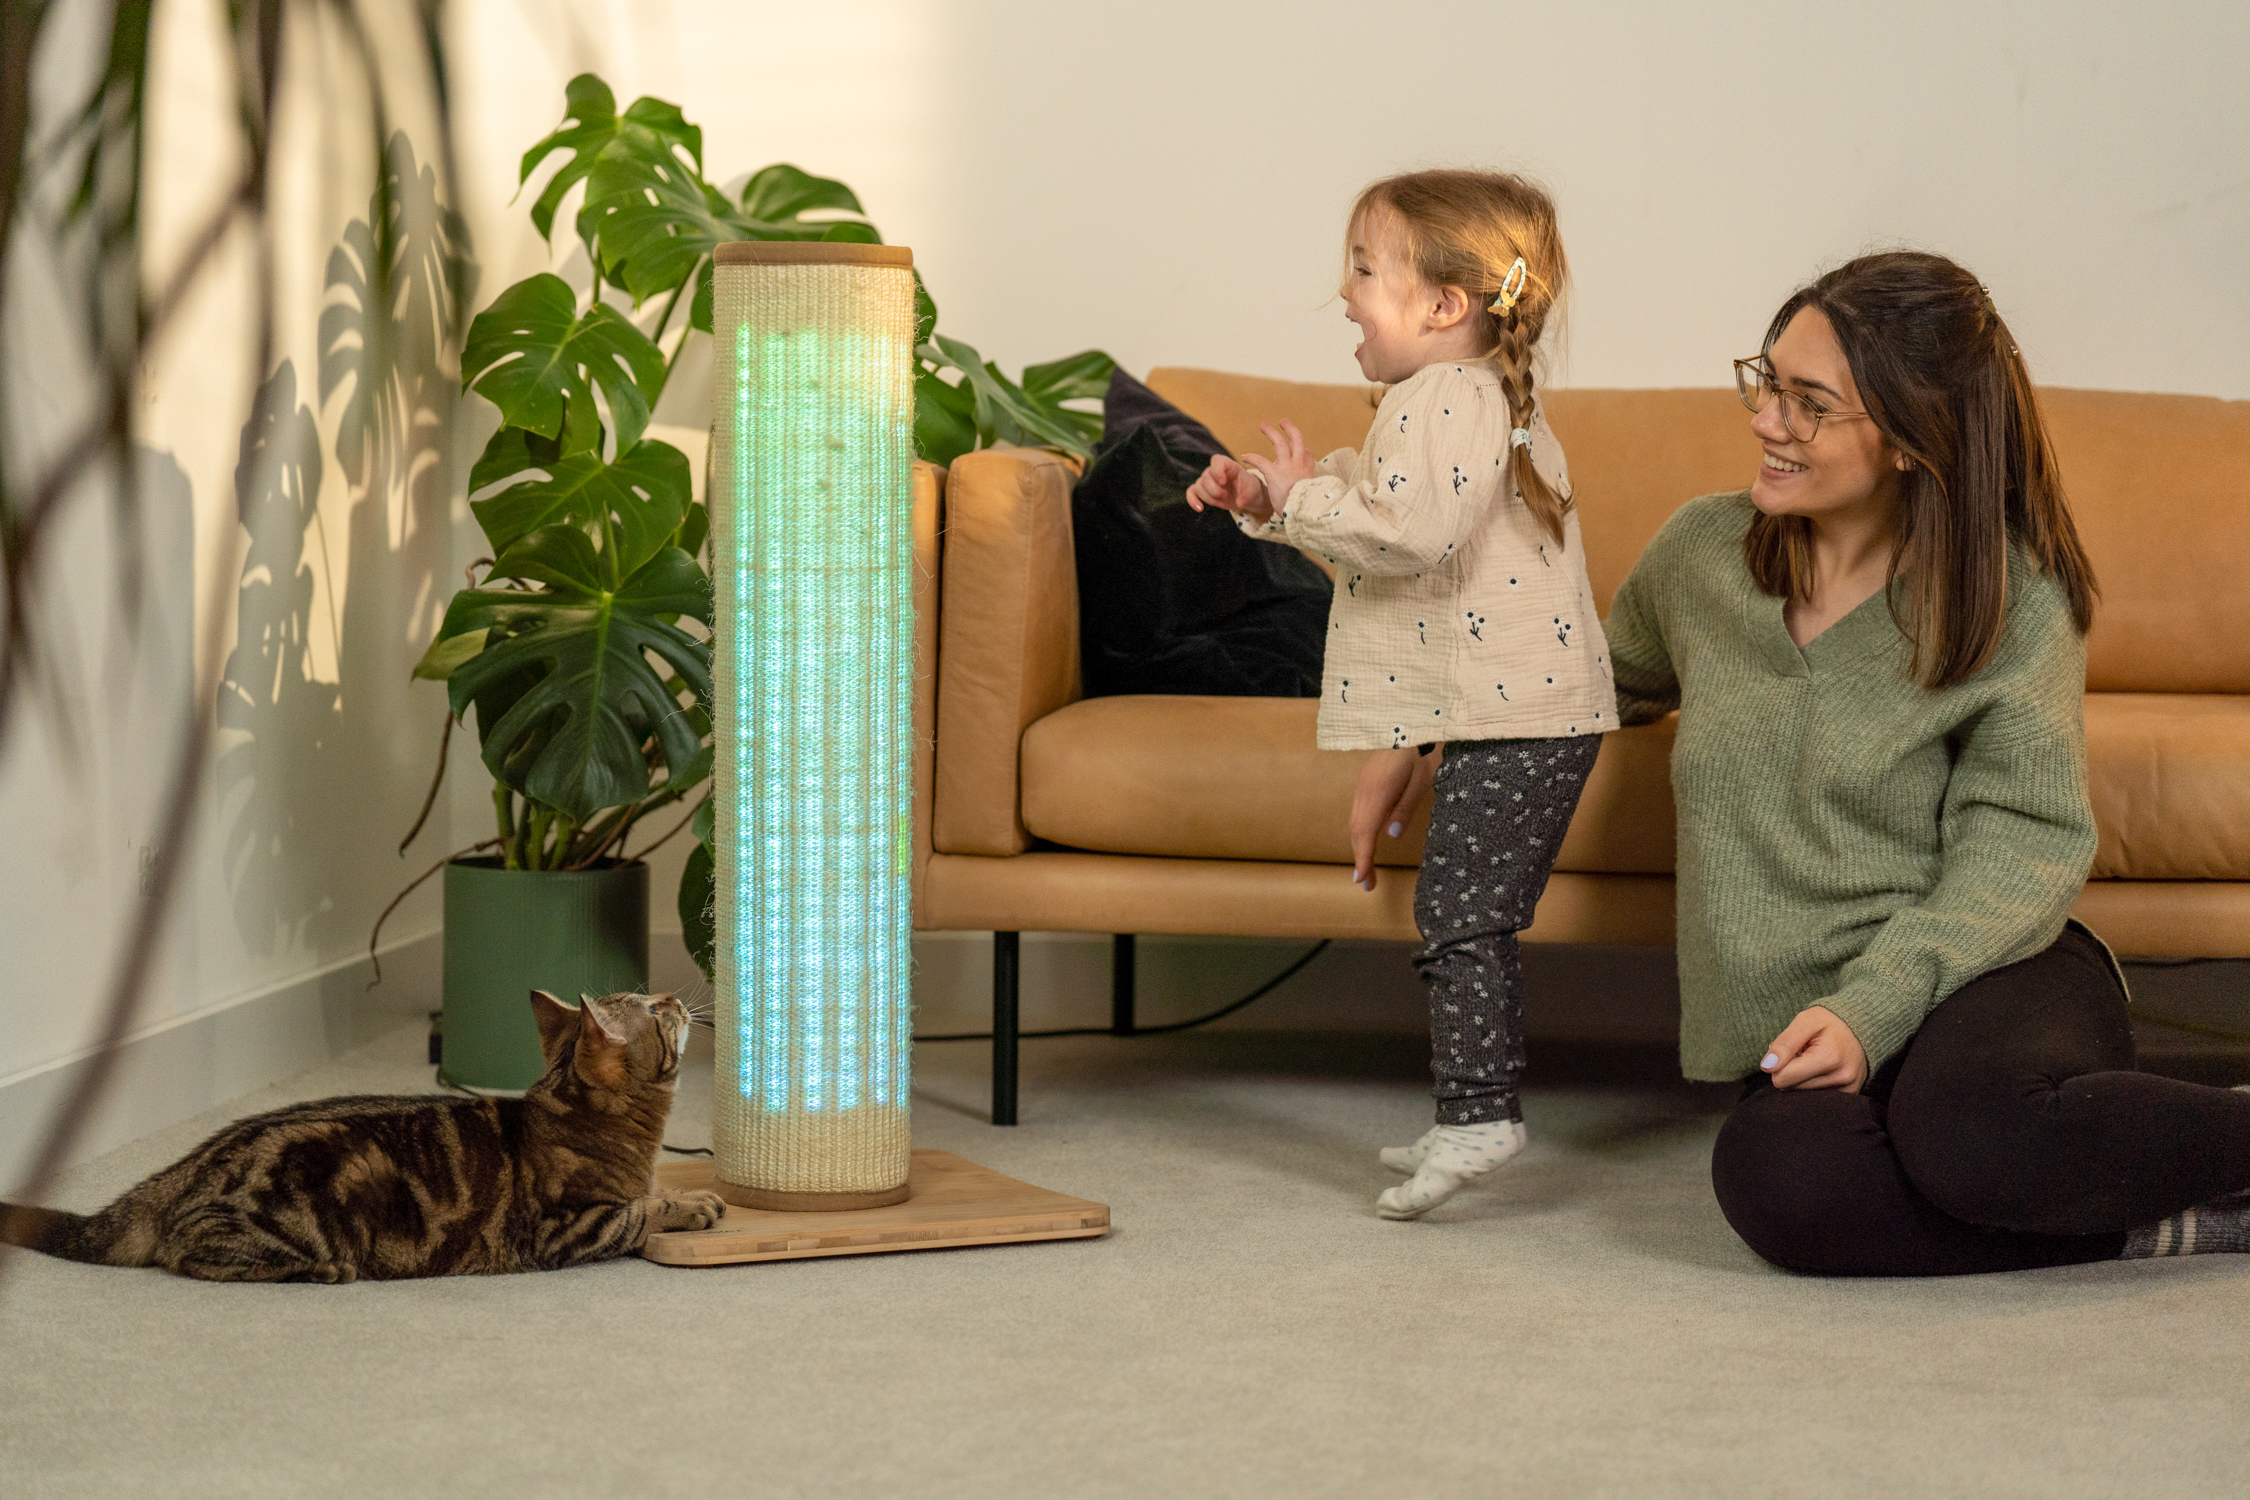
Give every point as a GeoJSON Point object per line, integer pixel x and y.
{"type": "Point", "coordinates": [594, 1013]}
{"type": "Point", "coordinates": [601, 1052]}
{"type": "Point", "coordinates": [557, 1023]}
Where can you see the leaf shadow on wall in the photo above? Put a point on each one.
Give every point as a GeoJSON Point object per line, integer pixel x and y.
{"type": "Point", "coordinates": [322, 776]}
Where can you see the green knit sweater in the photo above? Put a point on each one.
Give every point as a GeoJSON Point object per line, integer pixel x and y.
{"type": "Point", "coordinates": [1848, 838]}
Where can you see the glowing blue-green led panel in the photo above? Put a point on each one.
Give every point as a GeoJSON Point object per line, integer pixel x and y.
{"type": "Point", "coordinates": [812, 554]}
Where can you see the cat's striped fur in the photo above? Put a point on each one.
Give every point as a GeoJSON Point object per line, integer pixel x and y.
{"type": "Point", "coordinates": [388, 1187]}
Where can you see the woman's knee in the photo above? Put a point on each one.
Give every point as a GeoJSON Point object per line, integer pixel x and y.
{"type": "Point", "coordinates": [2004, 1151]}
{"type": "Point", "coordinates": [1990, 1117]}
{"type": "Point", "coordinates": [1797, 1175]}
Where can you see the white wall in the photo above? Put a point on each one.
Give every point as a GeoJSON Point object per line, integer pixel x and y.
{"type": "Point", "coordinates": [1168, 180]}
{"type": "Point", "coordinates": [319, 569]}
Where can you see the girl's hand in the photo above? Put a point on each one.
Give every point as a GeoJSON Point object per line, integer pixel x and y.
{"type": "Point", "coordinates": [1291, 462]}
{"type": "Point", "coordinates": [1817, 1051]}
{"type": "Point", "coordinates": [1228, 486]}
{"type": "Point", "coordinates": [1392, 787]}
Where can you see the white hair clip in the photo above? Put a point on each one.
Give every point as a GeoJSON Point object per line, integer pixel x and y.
{"type": "Point", "coordinates": [1520, 438]}
{"type": "Point", "coordinates": [1511, 287]}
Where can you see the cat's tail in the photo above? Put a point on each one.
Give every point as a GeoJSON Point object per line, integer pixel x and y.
{"type": "Point", "coordinates": [86, 1237]}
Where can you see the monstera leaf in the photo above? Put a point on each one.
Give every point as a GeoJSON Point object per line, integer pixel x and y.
{"type": "Point", "coordinates": [945, 417]}
{"type": "Point", "coordinates": [780, 195]}
{"type": "Point", "coordinates": [581, 694]}
{"type": "Point", "coordinates": [634, 505]}
{"type": "Point", "coordinates": [651, 132]}
{"type": "Point", "coordinates": [1007, 413]}
{"type": "Point", "coordinates": [648, 217]}
{"type": "Point", "coordinates": [1081, 377]}
{"type": "Point", "coordinates": [537, 358]}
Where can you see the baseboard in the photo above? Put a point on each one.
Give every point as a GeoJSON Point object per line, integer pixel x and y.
{"type": "Point", "coordinates": [189, 1064]}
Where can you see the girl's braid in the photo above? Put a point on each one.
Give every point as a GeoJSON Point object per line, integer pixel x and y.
{"type": "Point", "coordinates": [1520, 327]}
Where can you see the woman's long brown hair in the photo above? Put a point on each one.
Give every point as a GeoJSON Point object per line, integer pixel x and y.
{"type": "Point", "coordinates": [1941, 376]}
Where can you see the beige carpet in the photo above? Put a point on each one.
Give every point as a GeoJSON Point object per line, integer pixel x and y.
{"type": "Point", "coordinates": [1587, 1327]}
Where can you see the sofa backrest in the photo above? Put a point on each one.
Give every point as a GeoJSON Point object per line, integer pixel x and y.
{"type": "Point", "coordinates": [2160, 487]}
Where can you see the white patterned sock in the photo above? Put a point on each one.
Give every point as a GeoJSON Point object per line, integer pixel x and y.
{"type": "Point", "coordinates": [1407, 1160]}
{"type": "Point", "coordinates": [1455, 1156]}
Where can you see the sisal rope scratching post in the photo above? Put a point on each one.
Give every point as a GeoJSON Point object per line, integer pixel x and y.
{"type": "Point", "coordinates": [812, 551]}
{"type": "Point", "coordinates": [812, 556]}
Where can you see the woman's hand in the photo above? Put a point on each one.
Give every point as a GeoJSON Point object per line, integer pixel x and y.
{"type": "Point", "coordinates": [1226, 485]}
{"type": "Point", "coordinates": [1817, 1051]}
{"type": "Point", "coordinates": [1291, 462]}
{"type": "Point", "coordinates": [1392, 786]}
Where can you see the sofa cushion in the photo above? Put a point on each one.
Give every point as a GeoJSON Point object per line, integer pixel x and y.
{"type": "Point", "coordinates": [1172, 600]}
{"type": "Point", "coordinates": [2170, 774]}
{"type": "Point", "coordinates": [1239, 778]}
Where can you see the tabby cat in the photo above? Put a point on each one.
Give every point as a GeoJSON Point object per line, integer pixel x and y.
{"type": "Point", "coordinates": [385, 1188]}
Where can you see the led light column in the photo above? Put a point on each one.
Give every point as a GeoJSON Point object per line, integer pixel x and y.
{"type": "Point", "coordinates": [812, 560]}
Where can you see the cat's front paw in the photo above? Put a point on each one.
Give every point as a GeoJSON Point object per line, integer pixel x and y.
{"type": "Point", "coordinates": [691, 1210]}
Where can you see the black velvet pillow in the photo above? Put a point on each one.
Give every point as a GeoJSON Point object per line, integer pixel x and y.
{"type": "Point", "coordinates": [1175, 601]}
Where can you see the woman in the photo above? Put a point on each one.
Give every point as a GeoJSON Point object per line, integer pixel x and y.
{"type": "Point", "coordinates": [1878, 653]}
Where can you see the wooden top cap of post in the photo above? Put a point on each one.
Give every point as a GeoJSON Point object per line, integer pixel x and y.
{"type": "Point", "coordinates": [811, 253]}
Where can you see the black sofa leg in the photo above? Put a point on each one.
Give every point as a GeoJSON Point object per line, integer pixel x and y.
{"type": "Point", "coordinates": [1006, 953]}
{"type": "Point", "coordinates": [1121, 986]}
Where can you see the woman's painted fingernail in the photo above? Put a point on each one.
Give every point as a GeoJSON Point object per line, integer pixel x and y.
{"type": "Point", "coordinates": [1397, 829]}
{"type": "Point", "coordinates": [1769, 1062]}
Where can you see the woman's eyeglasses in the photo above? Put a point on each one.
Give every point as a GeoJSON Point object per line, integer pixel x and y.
{"type": "Point", "coordinates": [1800, 414]}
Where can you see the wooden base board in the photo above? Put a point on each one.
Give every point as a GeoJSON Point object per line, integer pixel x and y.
{"type": "Point", "coordinates": [953, 1202]}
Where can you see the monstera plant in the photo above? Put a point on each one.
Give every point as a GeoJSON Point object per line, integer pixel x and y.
{"type": "Point", "coordinates": [583, 648]}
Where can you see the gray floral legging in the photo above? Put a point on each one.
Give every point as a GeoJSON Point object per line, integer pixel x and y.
{"type": "Point", "coordinates": [1501, 809]}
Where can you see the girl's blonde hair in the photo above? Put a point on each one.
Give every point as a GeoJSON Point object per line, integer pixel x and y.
{"type": "Point", "coordinates": [1467, 229]}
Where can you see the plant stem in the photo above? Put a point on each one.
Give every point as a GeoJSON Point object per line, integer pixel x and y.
{"type": "Point", "coordinates": [675, 828]}
{"type": "Point", "coordinates": [599, 835]}
{"type": "Point", "coordinates": [658, 336]}
{"type": "Point", "coordinates": [504, 808]}
{"type": "Point", "coordinates": [565, 827]}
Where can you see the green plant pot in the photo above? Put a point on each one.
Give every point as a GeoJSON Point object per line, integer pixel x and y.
{"type": "Point", "coordinates": [509, 932]}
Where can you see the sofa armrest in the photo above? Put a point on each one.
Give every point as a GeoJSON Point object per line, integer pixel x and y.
{"type": "Point", "coordinates": [1007, 638]}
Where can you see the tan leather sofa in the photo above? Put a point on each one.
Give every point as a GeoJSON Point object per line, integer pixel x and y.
{"type": "Point", "coordinates": [1039, 810]}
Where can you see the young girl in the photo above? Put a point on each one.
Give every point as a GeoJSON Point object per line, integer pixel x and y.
{"type": "Point", "coordinates": [1462, 616]}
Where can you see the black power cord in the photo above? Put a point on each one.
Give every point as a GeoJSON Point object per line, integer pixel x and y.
{"type": "Point", "coordinates": [1259, 993]}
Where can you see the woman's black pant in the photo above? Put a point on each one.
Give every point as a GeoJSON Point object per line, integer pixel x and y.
{"type": "Point", "coordinates": [2012, 1132]}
